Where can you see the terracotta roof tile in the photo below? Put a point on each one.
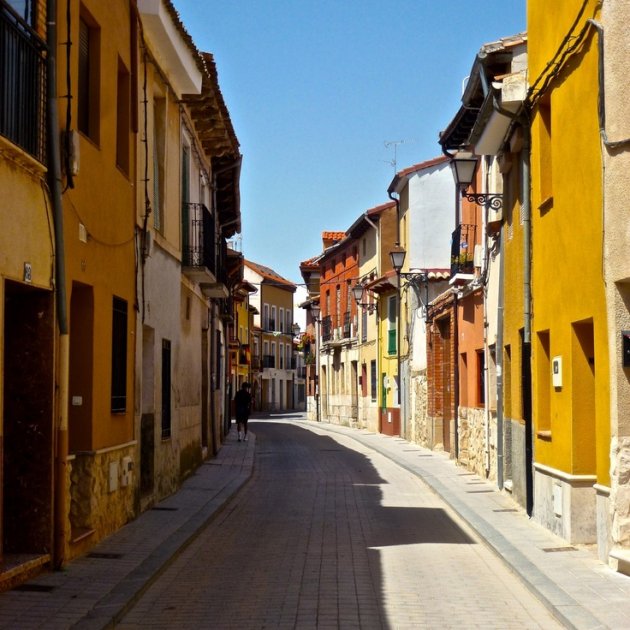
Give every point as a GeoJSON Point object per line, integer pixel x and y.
{"type": "Point", "coordinates": [270, 275]}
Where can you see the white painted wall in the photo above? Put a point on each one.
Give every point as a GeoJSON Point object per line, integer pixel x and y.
{"type": "Point", "coordinates": [431, 218]}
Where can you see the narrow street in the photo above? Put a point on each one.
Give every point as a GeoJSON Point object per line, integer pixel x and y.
{"type": "Point", "coordinates": [329, 534]}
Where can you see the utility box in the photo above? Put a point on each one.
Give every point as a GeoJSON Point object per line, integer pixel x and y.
{"type": "Point", "coordinates": [127, 472]}
{"type": "Point", "coordinates": [113, 476]}
{"type": "Point", "coordinates": [556, 371]}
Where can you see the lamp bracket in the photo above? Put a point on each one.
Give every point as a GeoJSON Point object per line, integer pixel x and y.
{"type": "Point", "coordinates": [487, 200]}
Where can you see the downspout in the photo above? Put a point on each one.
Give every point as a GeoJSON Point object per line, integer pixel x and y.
{"type": "Point", "coordinates": [486, 350]}
{"type": "Point", "coordinates": [54, 183]}
{"type": "Point", "coordinates": [378, 242]}
{"type": "Point", "coordinates": [397, 202]}
{"type": "Point", "coordinates": [499, 363]}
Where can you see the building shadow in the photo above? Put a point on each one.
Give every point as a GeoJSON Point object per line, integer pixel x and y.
{"type": "Point", "coordinates": [339, 495]}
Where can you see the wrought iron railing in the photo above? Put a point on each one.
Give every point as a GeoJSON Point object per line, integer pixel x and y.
{"type": "Point", "coordinates": [22, 84]}
{"type": "Point", "coordinates": [198, 229]}
{"type": "Point", "coordinates": [269, 361]}
{"type": "Point", "coordinates": [463, 249]}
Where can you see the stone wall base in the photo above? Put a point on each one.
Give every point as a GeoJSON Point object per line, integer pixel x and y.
{"type": "Point", "coordinates": [102, 495]}
{"type": "Point", "coordinates": [566, 504]}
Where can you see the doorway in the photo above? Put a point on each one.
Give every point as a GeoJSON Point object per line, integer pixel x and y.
{"type": "Point", "coordinates": [27, 421]}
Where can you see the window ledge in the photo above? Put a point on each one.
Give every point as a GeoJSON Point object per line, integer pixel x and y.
{"type": "Point", "coordinates": [546, 204]}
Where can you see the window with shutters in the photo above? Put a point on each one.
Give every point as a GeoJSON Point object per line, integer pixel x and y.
{"type": "Point", "coordinates": [88, 93]}
{"type": "Point", "coordinates": [119, 356]}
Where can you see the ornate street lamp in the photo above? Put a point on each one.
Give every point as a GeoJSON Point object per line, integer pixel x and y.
{"type": "Point", "coordinates": [358, 293]}
{"type": "Point", "coordinates": [463, 165]}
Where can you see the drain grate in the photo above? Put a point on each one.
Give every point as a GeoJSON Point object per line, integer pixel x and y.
{"type": "Point", "coordinates": [556, 549]}
{"type": "Point", "coordinates": [35, 588]}
{"type": "Point", "coordinates": [157, 508]}
{"type": "Point", "coordinates": [506, 510]}
{"type": "Point", "coordinates": [105, 556]}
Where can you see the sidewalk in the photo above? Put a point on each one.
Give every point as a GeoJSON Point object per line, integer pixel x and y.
{"type": "Point", "coordinates": [95, 591]}
{"type": "Point", "coordinates": [580, 591]}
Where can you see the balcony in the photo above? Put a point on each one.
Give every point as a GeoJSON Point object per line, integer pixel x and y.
{"type": "Point", "coordinates": [463, 252]}
{"type": "Point", "coordinates": [268, 361]}
{"type": "Point", "coordinates": [199, 251]}
{"type": "Point", "coordinates": [22, 85]}
{"type": "Point", "coordinates": [346, 331]}
{"type": "Point", "coordinates": [256, 363]}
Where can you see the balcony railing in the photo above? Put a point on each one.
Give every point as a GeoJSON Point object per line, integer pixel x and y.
{"type": "Point", "coordinates": [269, 361]}
{"type": "Point", "coordinates": [463, 249]}
{"type": "Point", "coordinates": [198, 231]}
{"type": "Point", "coordinates": [22, 84]}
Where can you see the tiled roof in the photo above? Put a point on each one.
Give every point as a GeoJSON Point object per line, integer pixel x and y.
{"type": "Point", "coordinates": [270, 275]}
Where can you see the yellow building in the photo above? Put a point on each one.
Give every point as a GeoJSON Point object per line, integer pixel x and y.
{"type": "Point", "coordinates": [273, 386]}
{"type": "Point", "coordinates": [366, 231]}
{"type": "Point", "coordinates": [27, 305]}
{"type": "Point", "coordinates": [99, 122]}
{"type": "Point", "coordinates": [570, 357]}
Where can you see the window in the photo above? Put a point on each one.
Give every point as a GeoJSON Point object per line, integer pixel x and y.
{"type": "Point", "coordinates": [481, 378]}
{"type": "Point", "coordinates": [272, 322]}
{"type": "Point", "coordinates": [166, 388]}
{"type": "Point", "coordinates": [289, 362]}
{"type": "Point", "coordinates": [281, 322]}
{"type": "Point", "coordinates": [337, 306]}
{"type": "Point", "coordinates": [218, 378]}
{"type": "Point", "coordinates": [88, 96]}
{"type": "Point", "coordinates": [123, 112]}
{"type": "Point", "coordinates": [288, 321]}
{"type": "Point", "coordinates": [391, 325]}
{"type": "Point", "coordinates": [463, 379]}
{"type": "Point", "coordinates": [119, 356]}
{"type": "Point", "coordinates": [543, 380]}
{"type": "Point", "coordinates": [546, 159]}
{"type": "Point", "coordinates": [373, 383]}
{"type": "Point", "coordinates": [265, 323]}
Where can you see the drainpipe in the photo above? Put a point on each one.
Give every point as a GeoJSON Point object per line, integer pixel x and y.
{"type": "Point", "coordinates": [486, 351]}
{"type": "Point", "coordinates": [527, 238]}
{"type": "Point", "coordinates": [378, 242]}
{"type": "Point", "coordinates": [397, 202]}
{"type": "Point", "coordinates": [499, 363]}
{"type": "Point", "coordinates": [54, 183]}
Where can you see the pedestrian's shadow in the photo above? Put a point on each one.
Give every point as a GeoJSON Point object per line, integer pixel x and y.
{"type": "Point", "coordinates": [346, 497]}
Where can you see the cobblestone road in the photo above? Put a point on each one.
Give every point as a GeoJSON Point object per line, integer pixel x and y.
{"type": "Point", "coordinates": [328, 534]}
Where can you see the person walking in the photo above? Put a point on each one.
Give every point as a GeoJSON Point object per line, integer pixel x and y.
{"type": "Point", "coordinates": [242, 406]}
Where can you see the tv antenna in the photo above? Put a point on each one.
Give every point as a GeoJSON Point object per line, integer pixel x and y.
{"type": "Point", "coordinates": [393, 143]}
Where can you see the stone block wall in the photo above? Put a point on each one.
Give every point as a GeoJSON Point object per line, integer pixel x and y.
{"type": "Point", "coordinates": [472, 442]}
{"type": "Point", "coordinates": [98, 507]}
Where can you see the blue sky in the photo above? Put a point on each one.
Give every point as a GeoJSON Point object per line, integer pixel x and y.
{"type": "Point", "coordinates": [316, 88]}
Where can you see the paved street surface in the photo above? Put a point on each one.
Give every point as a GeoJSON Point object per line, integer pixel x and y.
{"type": "Point", "coordinates": [328, 534]}
{"type": "Point", "coordinates": [313, 525]}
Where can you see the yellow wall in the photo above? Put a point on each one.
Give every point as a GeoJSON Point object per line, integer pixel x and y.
{"type": "Point", "coordinates": [568, 291]}
{"type": "Point", "coordinates": [103, 200]}
{"type": "Point", "coordinates": [513, 298]}
{"type": "Point", "coordinates": [388, 363]}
